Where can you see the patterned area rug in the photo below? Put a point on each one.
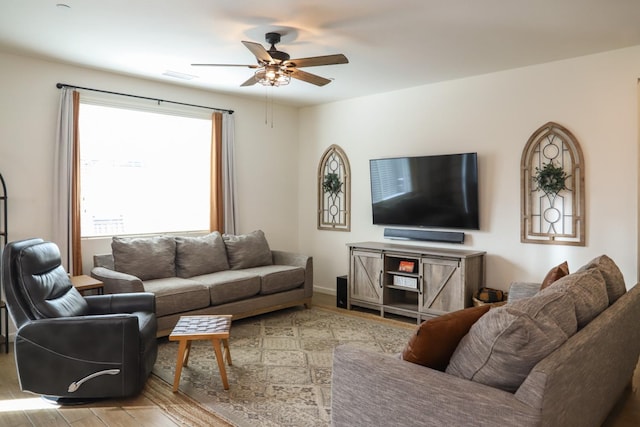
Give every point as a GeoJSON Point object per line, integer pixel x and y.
{"type": "Point", "coordinates": [281, 372]}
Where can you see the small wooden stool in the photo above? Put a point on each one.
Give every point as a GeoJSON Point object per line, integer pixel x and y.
{"type": "Point", "coordinates": [215, 328]}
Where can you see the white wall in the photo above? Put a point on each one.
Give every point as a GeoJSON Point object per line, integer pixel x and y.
{"type": "Point", "coordinates": [595, 97]}
{"type": "Point", "coordinates": [266, 157]}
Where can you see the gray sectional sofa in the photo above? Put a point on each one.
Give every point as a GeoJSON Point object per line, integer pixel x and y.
{"type": "Point", "coordinates": [212, 274]}
{"type": "Point", "coordinates": [519, 381]}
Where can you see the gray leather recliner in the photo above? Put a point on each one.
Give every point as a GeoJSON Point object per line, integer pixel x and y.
{"type": "Point", "coordinates": [72, 347]}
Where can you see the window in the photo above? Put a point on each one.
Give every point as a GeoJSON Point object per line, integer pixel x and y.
{"type": "Point", "coordinates": [143, 171]}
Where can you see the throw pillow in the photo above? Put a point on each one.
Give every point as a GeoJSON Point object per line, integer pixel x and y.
{"type": "Point", "coordinates": [200, 255]}
{"type": "Point", "coordinates": [504, 345]}
{"type": "Point", "coordinates": [248, 250]}
{"type": "Point", "coordinates": [557, 272]}
{"type": "Point", "coordinates": [588, 291]}
{"type": "Point", "coordinates": [550, 305]}
{"type": "Point", "coordinates": [145, 257]}
{"type": "Point", "coordinates": [436, 339]}
{"type": "Point", "coordinates": [612, 276]}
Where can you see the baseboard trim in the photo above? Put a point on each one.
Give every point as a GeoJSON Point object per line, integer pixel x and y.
{"type": "Point", "coordinates": [326, 291]}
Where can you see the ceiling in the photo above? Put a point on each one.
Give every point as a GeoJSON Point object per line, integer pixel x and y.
{"type": "Point", "coordinates": [391, 45]}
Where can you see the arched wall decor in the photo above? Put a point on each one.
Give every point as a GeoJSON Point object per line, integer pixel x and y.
{"type": "Point", "coordinates": [552, 188]}
{"type": "Point", "coordinates": [334, 190]}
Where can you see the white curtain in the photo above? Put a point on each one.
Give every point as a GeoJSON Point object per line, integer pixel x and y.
{"type": "Point", "coordinates": [62, 179]}
{"type": "Point", "coordinates": [228, 173]}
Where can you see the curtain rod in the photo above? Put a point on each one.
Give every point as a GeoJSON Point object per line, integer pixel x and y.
{"type": "Point", "coordinates": [61, 85]}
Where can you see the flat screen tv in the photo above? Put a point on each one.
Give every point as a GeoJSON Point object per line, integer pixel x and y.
{"type": "Point", "coordinates": [428, 191]}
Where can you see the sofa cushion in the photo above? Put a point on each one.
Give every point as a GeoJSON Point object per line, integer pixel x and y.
{"type": "Point", "coordinates": [436, 339]}
{"type": "Point", "coordinates": [230, 285]}
{"type": "Point", "coordinates": [247, 250]}
{"type": "Point", "coordinates": [177, 295]}
{"type": "Point", "coordinates": [557, 272]}
{"type": "Point", "coordinates": [550, 305]}
{"type": "Point", "coordinates": [504, 345]}
{"type": "Point", "coordinates": [612, 276]}
{"type": "Point", "coordinates": [278, 278]}
{"type": "Point", "coordinates": [146, 258]}
{"type": "Point", "coordinates": [200, 255]}
{"type": "Point", "coordinates": [588, 291]}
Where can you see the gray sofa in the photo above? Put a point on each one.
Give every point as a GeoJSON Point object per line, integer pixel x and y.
{"type": "Point", "coordinates": [577, 384]}
{"type": "Point", "coordinates": [212, 274]}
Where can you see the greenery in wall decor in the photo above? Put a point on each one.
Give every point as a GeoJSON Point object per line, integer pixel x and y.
{"type": "Point", "coordinates": [550, 179]}
{"type": "Point", "coordinates": [332, 184]}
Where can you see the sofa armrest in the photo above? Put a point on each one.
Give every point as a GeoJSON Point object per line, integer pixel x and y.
{"type": "Point", "coordinates": [369, 387]}
{"type": "Point", "coordinates": [94, 329]}
{"type": "Point", "coordinates": [122, 303]}
{"type": "Point", "coordinates": [104, 260]}
{"type": "Point", "coordinates": [289, 258]}
{"type": "Point", "coordinates": [521, 290]}
{"type": "Point", "coordinates": [580, 382]}
{"type": "Point", "coordinates": [116, 282]}
{"type": "Point", "coordinates": [297, 260]}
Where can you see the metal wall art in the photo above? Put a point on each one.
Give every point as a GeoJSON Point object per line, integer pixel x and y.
{"type": "Point", "coordinates": [552, 188]}
{"type": "Point", "coordinates": [334, 191]}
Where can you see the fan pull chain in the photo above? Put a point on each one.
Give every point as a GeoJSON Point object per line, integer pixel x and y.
{"type": "Point", "coordinates": [272, 111]}
{"type": "Point", "coordinates": [268, 105]}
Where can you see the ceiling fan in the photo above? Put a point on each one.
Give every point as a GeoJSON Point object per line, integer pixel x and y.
{"type": "Point", "coordinates": [275, 68]}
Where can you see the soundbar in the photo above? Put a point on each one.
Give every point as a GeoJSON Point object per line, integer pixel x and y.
{"type": "Point", "coordinates": [428, 235]}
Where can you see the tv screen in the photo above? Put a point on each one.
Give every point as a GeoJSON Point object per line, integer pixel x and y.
{"type": "Point", "coordinates": [429, 191]}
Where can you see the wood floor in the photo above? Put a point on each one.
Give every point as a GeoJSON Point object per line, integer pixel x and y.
{"type": "Point", "coordinates": [24, 409]}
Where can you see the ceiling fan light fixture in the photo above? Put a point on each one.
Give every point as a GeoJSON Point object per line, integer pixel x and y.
{"type": "Point", "coordinates": [272, 75]}
{"type": "Point", "coordinates": [276, 68]}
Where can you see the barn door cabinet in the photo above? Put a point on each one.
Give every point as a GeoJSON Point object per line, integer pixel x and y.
{"type": "Point", "coordinates": [365, 278]}
{"type": "Point", "coordinates": [414, 281]}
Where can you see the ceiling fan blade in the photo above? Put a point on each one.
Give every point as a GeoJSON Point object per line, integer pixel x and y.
{"type": "Point", "coordinates": [250, 81]}
{"type": "Point", "coordinates": [258, 51]}
{"type": "Point", "coordinates": [308, 77]}
{"type": "Point", "coordinates": [317, 60]}
{"type": "Point", "coordinates": [225, 65]}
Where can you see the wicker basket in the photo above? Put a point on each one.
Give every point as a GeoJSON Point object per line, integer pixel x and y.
{"type": "Point", "coordinates": [489, 296]}
{"type": "Point", "coordinates": [478, 303]}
